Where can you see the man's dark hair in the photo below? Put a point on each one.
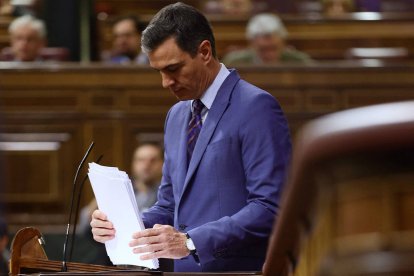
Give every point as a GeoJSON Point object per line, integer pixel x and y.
{"type": "Point", "coordinates": [185, 23]}
{"type": "Point", "coordinates": [139, 26]}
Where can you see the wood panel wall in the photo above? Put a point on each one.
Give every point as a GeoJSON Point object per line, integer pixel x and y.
{"type": "Point", "coordinates": [50, 113]}
{"type": "Point", "coordinates": [4, 31]}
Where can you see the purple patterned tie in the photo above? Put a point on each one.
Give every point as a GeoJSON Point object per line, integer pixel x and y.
{"type": "Point", "coordinates": [194, 127]}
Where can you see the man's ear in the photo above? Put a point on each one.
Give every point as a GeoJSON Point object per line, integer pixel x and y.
{"type": "Point", "coordinates": [205, 51]}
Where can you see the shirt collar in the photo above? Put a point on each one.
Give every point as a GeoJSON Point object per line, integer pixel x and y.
{"type": "Point", "coordinates": [208, 97]}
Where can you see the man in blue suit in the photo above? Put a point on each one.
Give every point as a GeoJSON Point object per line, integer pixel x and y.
{"type": "Point", "coordinates": [227, 147]}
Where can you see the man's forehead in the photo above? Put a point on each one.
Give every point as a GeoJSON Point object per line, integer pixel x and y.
{"type": "Point", "coordinates": [164, 64]}
{"type": "Point", "coordinates": [166, 54]}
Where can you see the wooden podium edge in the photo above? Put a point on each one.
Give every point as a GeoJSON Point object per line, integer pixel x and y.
{"type": "Point", "coordinates": [27, 252]}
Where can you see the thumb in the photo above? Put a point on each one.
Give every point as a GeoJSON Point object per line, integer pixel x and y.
{"type": "Point", "coordinates": [157, 226]}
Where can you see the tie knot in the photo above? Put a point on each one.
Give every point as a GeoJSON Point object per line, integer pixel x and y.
{"type": "Point", "coordinates": [197, 106]}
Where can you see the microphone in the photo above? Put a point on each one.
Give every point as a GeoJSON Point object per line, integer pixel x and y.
{"type": "Point", "coordinates": [75, 223]}
{"type": "Point", "coordinates": [64, 267]}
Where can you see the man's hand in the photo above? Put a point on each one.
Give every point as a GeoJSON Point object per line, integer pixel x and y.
{"type": "Point", "coordinates": [102, 229]}
{"type": "Point", "coordinates": [162, 241]}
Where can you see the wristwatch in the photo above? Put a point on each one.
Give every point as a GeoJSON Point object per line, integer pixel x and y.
{"type": "Point", "coordinates": [190, 245]}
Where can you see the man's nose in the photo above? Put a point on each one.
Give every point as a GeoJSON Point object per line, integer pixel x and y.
{"type": "Point", "coordinates": [167, 81]}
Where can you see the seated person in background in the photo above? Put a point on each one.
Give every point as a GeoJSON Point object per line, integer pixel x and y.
{"type": "Point", "coordinates": [146, 174]}
{"type": "Point", "coordinates": [127, 42]}
{"type": "Point", "coordinates": [337, 7]}
{"type": "Point", "coordinates": [266, 34]}
{"type": "Point", "coordinates": [5, 7]}
{"type": "Point", "coordinates": [27, 38]}
{"type": "Point", "coordinates": [4, 252]}
{"type": "Point", "coordinates": [19, 7]}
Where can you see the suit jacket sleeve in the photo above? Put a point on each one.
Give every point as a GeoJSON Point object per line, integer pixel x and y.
{"type": "Point", "coordinates": [265, 149]}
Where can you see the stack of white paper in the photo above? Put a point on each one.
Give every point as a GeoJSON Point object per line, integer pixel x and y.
{"type": "Point", "coordinates": [115, 197]}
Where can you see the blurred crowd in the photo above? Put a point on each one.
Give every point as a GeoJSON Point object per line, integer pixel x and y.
{"type": "Point", "coordinates": [18, 7]}
{"type": "Point", "coordinates": [266, 35]}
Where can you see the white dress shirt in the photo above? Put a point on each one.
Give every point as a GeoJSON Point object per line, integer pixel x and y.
{"type": "Point", "coordinates": [210, 94]}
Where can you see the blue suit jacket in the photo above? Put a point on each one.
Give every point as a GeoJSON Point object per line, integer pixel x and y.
{"type": "Point", "coordinates": [228, 197]}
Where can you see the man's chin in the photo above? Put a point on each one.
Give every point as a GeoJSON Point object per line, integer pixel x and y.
{"type": "Point", "coordinates": [180, 96]}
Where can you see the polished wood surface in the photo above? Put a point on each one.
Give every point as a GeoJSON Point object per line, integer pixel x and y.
{"type": "Point", "coordinates": [50, 113]}
{"type": "Point", "coordinates": [28, 256]}
{"type": "Point", "coordinates": [141, 273]}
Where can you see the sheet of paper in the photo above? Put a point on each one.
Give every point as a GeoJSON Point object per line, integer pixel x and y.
{"type": "Point", "coordinates": [115, 197]}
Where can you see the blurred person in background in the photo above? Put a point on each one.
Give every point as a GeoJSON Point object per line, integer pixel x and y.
{"type": "Point", "coordinates": [19, 7]}
{"type": "Point", "coordinates": [146, 174]}
{"type": "Point", "coordinates": [267, 37]}
{"type": "Point", "coordinates": [337, 7]}
{"type": "Point", "coordinates": [126, 46]}
{"type": "Point", "coordinates": [27, 38]}
{"type": "Point", "coordinates": [341, 7]}
{"type": "Point", "coordinates": [5, 7]}
{"type": "Point", "coordinates": [4, 252]}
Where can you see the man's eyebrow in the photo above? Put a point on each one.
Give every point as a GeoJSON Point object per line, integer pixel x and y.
{"type": "Point", "coordinates": [171, 66]}
{"type": "Point", "coordinates": [167, 67]}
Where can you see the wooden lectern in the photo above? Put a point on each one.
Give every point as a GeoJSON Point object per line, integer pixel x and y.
{"type": "Point", "coordinates": [28, 256]}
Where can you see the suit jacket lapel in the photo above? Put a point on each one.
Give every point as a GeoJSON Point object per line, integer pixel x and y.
{"type": "Point", "coordinates": [214, 115]}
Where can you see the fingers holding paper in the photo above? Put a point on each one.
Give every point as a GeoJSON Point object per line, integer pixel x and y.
{"type": "Point", "coordinates": [162, 241]}
{"type": "Point", "coordinates": [102, 229]}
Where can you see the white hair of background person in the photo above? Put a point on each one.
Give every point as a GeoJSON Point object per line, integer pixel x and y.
{"type": "Point", "coordinates": [22, 2]}
{"type": "Point", "coordinates": [263, 24]}
{"type": "Point", "coordinates": [35, 24]}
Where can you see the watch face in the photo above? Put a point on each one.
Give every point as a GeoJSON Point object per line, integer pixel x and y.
{"type": "Point", "coordinates": [190, 245]}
